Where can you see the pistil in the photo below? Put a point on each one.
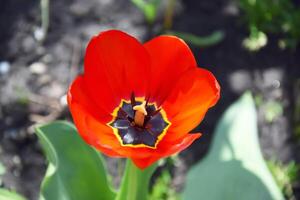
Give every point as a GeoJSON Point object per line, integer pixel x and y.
{"type": "Point", "coordinates": [140, 113]}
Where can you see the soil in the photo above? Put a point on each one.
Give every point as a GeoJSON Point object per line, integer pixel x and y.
{"type": "Point", "coordinates": [32, 90]}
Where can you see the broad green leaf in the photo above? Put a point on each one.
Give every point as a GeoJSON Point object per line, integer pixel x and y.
{"type": "Point", "coordinates": [75, 171]}
{"type": "Point", "coordinates": [9, 195]}
{"type": "Point", "coordinates": [234, 168]}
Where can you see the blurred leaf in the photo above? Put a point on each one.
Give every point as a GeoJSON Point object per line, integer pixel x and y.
{"type": "Point", "coordinates": [234, 168]}
{"type": "Point", "coordinates": [2, 169]}
{"type": "Point", "coordinates": [256, 40]}
{"type": "Point", "coordinates": [285, 176]}
{"type": "Point", "coordinates": [162, 189]}
{"type": "Point", "coordinates": [296, 116]}
{"type": "Point", "coordinates": [258, 99]}
{"type": "Point", "coordinates": [273, 109]}
{"type": "Point", "coordinates": [149, 8]}
{"type": "Point", "coordinates": [281, 17]}
{"type": "Point", "coordinates": [75, 170]}
{"type": "Point", "coordinates": [41, 33]}
{"type": "Point", "coordinates": [9, 195]}
{"type": "Point", "coordinates": [200, 41]}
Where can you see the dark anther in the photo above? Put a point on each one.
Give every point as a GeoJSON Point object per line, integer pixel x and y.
{"type": "Point", "coordinates": [123, 113]}
{"type": "Point", "coordinates": [155, 112]}
{"type": "Point", "coordinates": [133, 102]}
{"type": "Point", "coordinates": [150, 115]}
{"type": "Point", "coordinates": [147, 101]}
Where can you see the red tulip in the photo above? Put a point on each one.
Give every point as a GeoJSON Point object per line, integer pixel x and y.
{"type": "Point", "coordinates": [140, 100]}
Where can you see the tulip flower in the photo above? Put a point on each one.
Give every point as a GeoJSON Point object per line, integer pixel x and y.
{"type": "Point", "coordinates": [140, 101]}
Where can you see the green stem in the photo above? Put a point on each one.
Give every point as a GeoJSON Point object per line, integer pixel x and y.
{"type": "Point", "coordinates": [44, 18]}
{"type": "Point", "coordinates": [168, 21]}
{"type": "Point", "coordinates": [135, 183]}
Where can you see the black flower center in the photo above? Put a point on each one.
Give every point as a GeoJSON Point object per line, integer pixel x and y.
{"type": "Point", "coordinates": [135, 130]}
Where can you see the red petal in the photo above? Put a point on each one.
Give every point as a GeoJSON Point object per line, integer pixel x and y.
{"type": "Point", "coordinates": [78, 96]}
{"type": "Point", "coordinates": [116, 65]}
{"type": "Point", "coordinates": [183, 143]}
{"type": "Point", "coordinates": [170, 57]}
{"type": "Point", "coordinates": [166, 151]}
{"type": "Point", "coordinates": [143, 163]}
{"type": "Point", "coordinates": [195, 92]}
{"type": "Point", "coordinates": [84, 110]}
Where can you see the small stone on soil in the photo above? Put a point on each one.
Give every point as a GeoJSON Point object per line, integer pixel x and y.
{"type": "Point", "coordinates": [4, 67]}
{"type": "Point", "coordinates": [37, 68]}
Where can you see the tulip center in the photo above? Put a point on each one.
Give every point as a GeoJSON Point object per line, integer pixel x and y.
{"type": "Point", "coordinates": [139, 123]}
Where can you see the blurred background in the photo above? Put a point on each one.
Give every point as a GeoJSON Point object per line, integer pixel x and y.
{"type": "Point", "coordinates": [249, 45]}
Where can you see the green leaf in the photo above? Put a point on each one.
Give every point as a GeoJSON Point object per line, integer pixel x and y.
{"type": "Point", "coordinates": [162, 190]}
{"type": "Point", "coordinates": [286, 175]}
{"type": "Point", "coordinates": [75, 171]}
{"type": "Point", "coordinates": [2, 169]}
{"type": "Point", "coordinates": [9, 195]}
{"type": "Point", "coordinates": [273, 109]}
{"type": "Point", "coordinates": [2, 172]}
{"type": "Point", "coordinates": [234, 168]}
{"type": "Point", "coordinates": [135, 182]}
{"type": "Point", "coordinates": [200, 41]}
{"type": "Point", "coordinates": [149, 8]}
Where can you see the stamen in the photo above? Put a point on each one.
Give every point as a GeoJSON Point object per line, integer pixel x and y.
{"type": "Point", "coordinates": [133, 102]}
{"type": "Point", "coordinates": [140, 113]}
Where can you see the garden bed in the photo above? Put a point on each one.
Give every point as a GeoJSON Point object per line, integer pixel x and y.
{"type": "Point", "coordinates": [33, 88]}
